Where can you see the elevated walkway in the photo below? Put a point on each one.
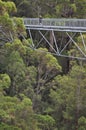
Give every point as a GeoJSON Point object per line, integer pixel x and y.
{"type": "Point", "coordinates": [59, 34]}
{"type": "Point", "coordinates": [72, 25]}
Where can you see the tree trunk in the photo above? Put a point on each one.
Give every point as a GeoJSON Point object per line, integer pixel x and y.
{"type": "Point", "coordinates": [78, 101]}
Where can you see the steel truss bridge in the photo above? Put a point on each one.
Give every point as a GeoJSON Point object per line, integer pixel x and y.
{"type": "Point", "coordinates": [69, 28]}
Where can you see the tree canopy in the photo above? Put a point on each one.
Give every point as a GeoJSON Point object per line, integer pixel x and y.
{"type": "Point", "coordinates": [35, 91]}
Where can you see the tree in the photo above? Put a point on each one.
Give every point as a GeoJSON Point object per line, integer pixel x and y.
{"type": "Point", "coordinates": [16, 114]}
{"type": "Point", "coordinates": [68, 96]}
{"type": "Point", "coordinates": [4, 81]}
{"type": "Point", "coordinates": [45, 122]}
{"type": "Point", "coordinates": [16, 71]}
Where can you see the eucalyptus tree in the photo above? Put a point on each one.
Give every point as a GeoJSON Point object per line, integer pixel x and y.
{"type": "Point", "coordinates": [68, 95]}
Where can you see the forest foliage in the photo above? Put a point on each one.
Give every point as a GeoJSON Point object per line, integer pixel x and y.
{"type": "Point", "coordinates": [35, 91]}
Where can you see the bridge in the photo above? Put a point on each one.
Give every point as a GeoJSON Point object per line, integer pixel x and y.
{"type": "Point", "coordinates": [69, 28]}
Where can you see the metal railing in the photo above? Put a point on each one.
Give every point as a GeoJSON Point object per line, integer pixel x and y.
{"type": "Point", "coordinates": [55, 22]}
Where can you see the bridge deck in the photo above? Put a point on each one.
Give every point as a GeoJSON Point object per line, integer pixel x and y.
{"type": "Point", "coordinates": [72, 25]}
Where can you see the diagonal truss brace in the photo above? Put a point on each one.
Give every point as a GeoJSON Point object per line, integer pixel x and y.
{"type": "Point", "coordinates": [56, 50]}
{"type": "Point", "coordinates": [76, 45]}
{"type": "Point", "coordinates": [47, 42]}
{"type": "Point", "coordinates": [67, 43]}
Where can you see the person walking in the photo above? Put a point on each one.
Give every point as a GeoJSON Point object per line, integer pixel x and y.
{"type": "Point", "coordinates": [40, 20]}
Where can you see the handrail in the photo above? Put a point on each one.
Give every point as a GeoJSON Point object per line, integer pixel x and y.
{"type": "Point", "coordinates": [55, 22]}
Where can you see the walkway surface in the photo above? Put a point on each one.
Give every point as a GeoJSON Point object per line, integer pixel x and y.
{"type": "Point", "coordinates": [72, 25]}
